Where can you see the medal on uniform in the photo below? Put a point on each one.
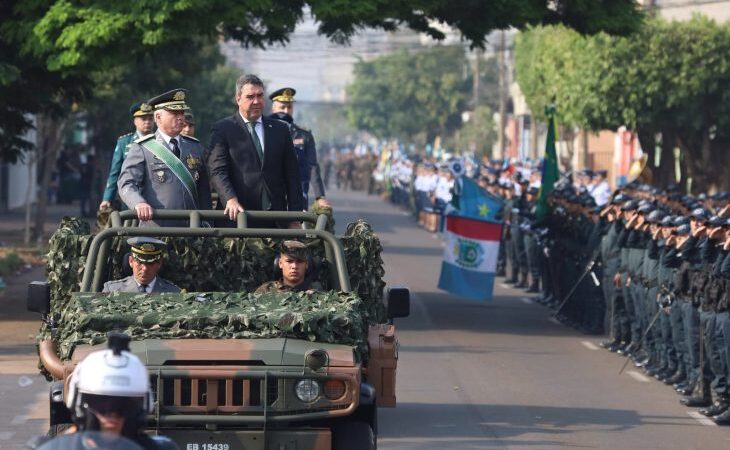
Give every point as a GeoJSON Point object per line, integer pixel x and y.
{"type": "Point", "coordinates": [196, 175]}
{"type": "Point", "coordinates": [160, 176]}
{"type": "Point", "coordinates": [192, 162]}
{"type": "Point", "coordinates": [299, 141]}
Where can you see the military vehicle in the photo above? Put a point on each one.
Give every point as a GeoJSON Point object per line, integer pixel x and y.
{"type": "Point", "coordinates": [285, 392]}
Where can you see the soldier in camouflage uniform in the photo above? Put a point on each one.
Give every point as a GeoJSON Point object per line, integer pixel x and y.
{"type": "Point", "coordinates": [294, 261]}
{"type": "Point", "coordinates": [144, 123]}
{"type": "Point", "coordinates": [146, 261]}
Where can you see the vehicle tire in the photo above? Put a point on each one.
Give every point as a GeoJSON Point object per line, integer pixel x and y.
{"type": "Point", "coordinates": [352, 435]}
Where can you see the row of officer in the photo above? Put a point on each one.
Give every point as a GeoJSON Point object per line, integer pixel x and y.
{"type": "Point", "coordinates": [663, 262]}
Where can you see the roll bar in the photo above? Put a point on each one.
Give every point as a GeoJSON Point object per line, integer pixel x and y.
{"type": "Point", "coordinates": [99, 248]}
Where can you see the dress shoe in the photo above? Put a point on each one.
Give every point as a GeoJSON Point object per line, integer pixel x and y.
{"type": "Point", "coordinates": [534, 287]}
{"type": "Point", "coordinates": [608, 344]}
{"type": "Point", "coordinates": [695, 402]}
{"type": "Point", "coordinates": [717, 408]}
{"type": "Point", "coordinates": [722, 419]}
{"type": "Point", "coordinates": [685, 390]}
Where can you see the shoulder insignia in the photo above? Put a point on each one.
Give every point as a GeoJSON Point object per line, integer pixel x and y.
{"type": "Point", "coordinates": [144, 138]}
{"type": "Point", "coordinates": [125, 136]}
{"type": "Point", "coordinates": [189, 137]}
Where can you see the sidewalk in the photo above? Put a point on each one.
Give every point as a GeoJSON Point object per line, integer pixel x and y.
{"type": "Point", "coordinates": [12, 223]}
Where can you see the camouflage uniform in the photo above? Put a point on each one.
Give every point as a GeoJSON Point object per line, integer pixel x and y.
{"type": "Point", "coordinates": [279, 286]}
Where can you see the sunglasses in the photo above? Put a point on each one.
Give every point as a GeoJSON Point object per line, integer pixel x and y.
{"type": "Point", "coordinates": [108, 405]}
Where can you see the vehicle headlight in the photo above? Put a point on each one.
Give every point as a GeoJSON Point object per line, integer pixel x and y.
{"type": "Point", "coordinates": [307, 390]}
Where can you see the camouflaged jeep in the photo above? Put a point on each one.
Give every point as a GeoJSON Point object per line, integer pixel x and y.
{"type": "Point", "coordinates": [236, 373]}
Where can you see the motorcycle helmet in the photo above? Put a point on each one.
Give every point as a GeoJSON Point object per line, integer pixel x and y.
{"type": "Point", "coordinates": [112, 381]}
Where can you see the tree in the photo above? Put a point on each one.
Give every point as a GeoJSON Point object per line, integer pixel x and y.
{"type": "Point", "coordinates": [402, 94]}
{"type": "Point", "coordinates": [667, 83]}
{"type": "Point", "coordinates": [478, 135]}
{"type": "Point", "coordinates": [73, 38]}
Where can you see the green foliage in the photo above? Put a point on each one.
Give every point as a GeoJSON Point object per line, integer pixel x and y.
{"type": "Point", "coordinates": [403, 94]}
{"type": "Point", "coordinates": [331, 317]}
{"type": "Point", "coordinates": [50, 49]}
{"type": "Point", "coordinates": [478, 134]}
{"type": "Point", "coordinates": [671, 77]}
{"type": "Point", "coordinates": [9, 263]}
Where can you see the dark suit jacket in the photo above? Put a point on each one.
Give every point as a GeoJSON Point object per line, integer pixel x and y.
{"type": "Point", "coordinates": [235, 169]}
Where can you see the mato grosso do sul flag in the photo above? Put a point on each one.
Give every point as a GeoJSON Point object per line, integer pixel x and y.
{"type": "Point", "coordinates": [470, 257]}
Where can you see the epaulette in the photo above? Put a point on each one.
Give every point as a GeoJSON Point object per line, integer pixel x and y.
{"type": "Point", "coordinates": [125, 135]}
{"type": "Point", "coordinates": [144, 138]}
{"type": "Point", "coordinates": [185, 136]}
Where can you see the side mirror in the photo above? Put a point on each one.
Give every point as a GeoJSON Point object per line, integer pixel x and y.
{"type": "Point", "coordinates": [399, 302]}
{"type": "Point", "coordinates": [39, 297]}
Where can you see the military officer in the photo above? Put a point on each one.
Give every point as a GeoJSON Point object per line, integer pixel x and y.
{"type": "Point", "coordinates": [294, 262]}
{"type": "Point", "coordinates": [146, 261]}
{"type": "Point", "coordinates": [282, 108]}
{"type": "Point", "coordinates": [144, 123]}
{"type": "Point", "coordinates": [189, 127]}
{"type": "Point", "coordinates": [165, 170]}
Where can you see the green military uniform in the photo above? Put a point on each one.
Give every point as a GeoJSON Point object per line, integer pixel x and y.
{"type": "Point", "coordinates": [120, 152]}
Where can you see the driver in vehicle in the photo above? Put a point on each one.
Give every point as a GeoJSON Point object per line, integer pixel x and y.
{"type": "Point", "coordinates": [295, 263]}
{"type": "Point", "coordinates": [146, 261]}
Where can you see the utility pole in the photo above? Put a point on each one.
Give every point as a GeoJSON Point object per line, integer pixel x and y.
{"type": "Point", "coordinates": [501, 142]}
{"type": "Point", "coordinates": [475, 79]}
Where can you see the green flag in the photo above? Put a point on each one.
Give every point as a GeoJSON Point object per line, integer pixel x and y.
{"type": "Point", "coordinates": [550, 172]}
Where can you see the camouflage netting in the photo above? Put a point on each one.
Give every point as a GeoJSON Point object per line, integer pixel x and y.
{"type": "Point", "coordinates": [236, 265]}
{"type": "Point", "coordinates": [330, 317]}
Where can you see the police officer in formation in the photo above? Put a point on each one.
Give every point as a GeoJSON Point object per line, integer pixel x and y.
{"type": "Point", "coordinates": [652, 268]}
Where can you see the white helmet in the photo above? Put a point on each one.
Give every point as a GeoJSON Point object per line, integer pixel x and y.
{"type": "Point", "coordinates": [109, 380]}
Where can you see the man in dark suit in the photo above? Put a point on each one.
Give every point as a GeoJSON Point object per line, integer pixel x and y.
{"type": "Point", "coordinates": [252, 161]}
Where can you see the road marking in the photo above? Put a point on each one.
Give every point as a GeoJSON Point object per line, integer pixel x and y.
{"type": "Point", "coordinates": [706, 421]}
{"type": "Point", "coordinates": [526, 300]}
{"type": "Point", "coordinates": [18, 420]}
{"type": "Point", "coordinates": [555, 321]}
{"type": "Point", "coordinates": [6, 435]}
{"type": "Point", "coordinates": [638, 376]}
{"type": "Point", "coordinates": [589, 345]}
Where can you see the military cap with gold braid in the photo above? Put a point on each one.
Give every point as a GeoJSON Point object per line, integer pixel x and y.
{"type": "Point", "coordinates": [173, 100]}
{"type": "Point", "coordinates": [283, 95]}
{"type": "Point", "coordinates": [146, 249]}
{"type": "Point", "coordinates": [295, 249]}
{"type": "Point", "coordinates": [140, 109]}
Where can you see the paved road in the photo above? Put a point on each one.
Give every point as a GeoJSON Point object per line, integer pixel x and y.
{"type": "Point", "coordinates": [471, 375]}
{"type": "Point", "coordinates": [502, 374]}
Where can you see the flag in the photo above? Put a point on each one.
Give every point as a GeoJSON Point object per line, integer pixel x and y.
{"type": "Point", "coordinates": [470, 257]}
{"type": "Point", "coordinates": [476, 203]}
{"type": "Point", "coordinates": [550, 172]}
